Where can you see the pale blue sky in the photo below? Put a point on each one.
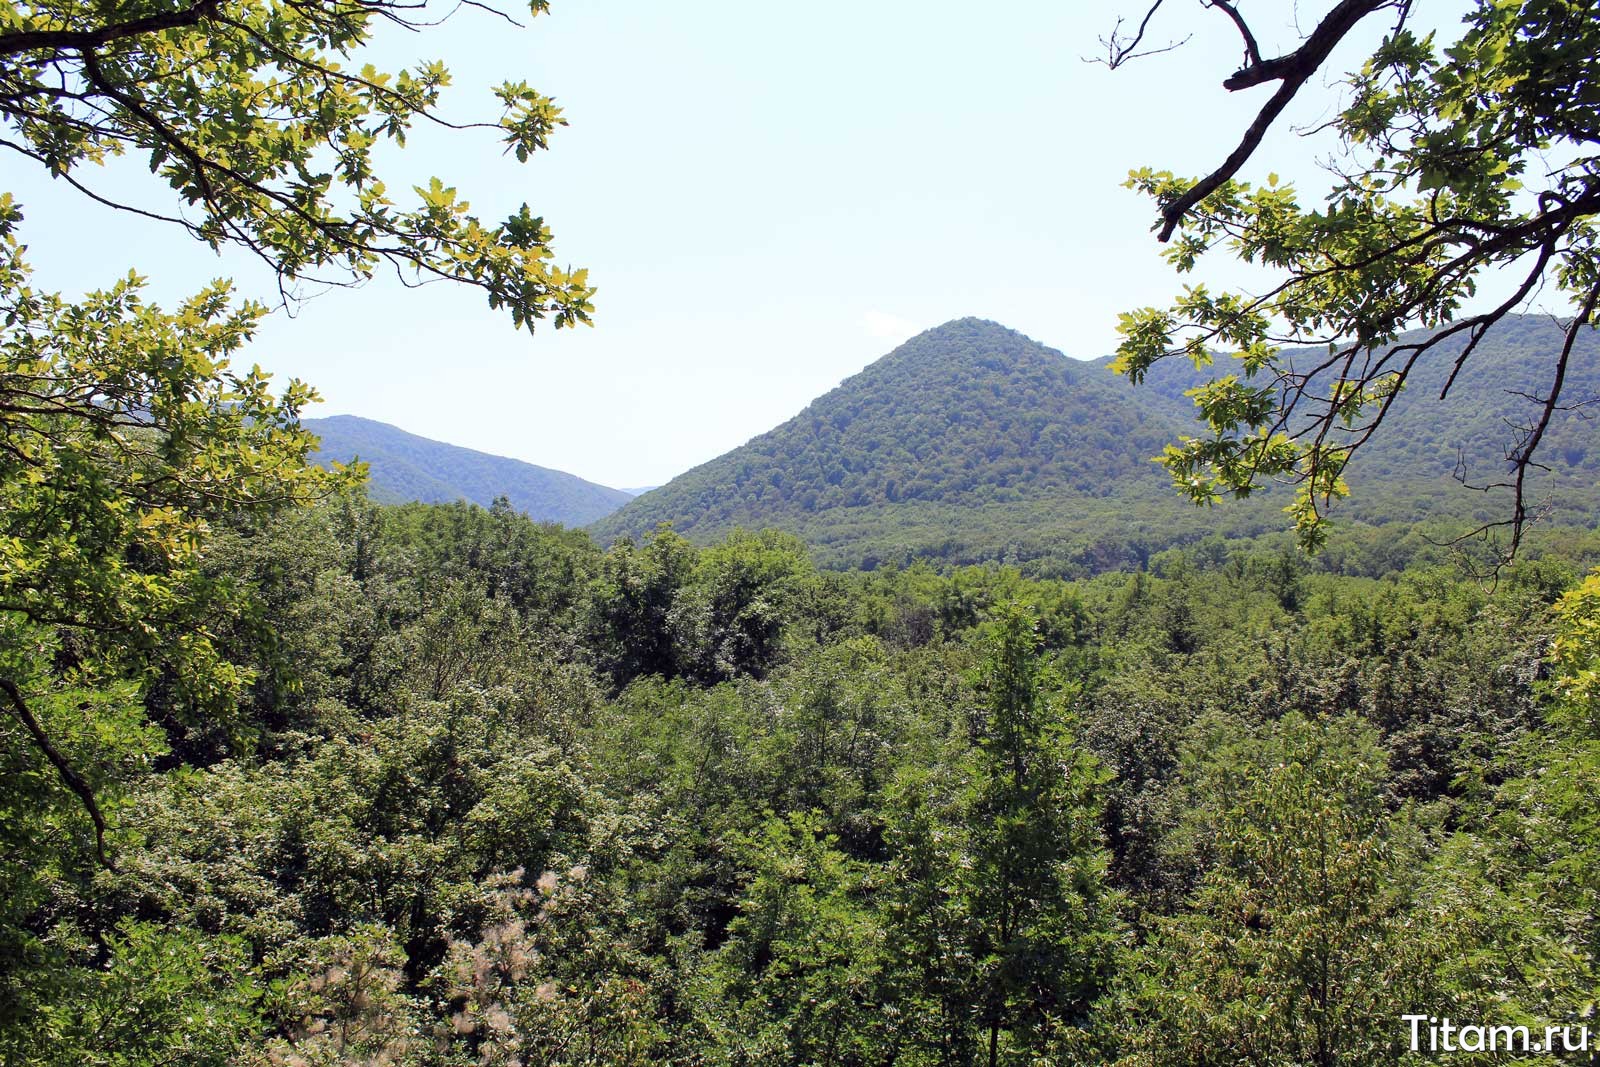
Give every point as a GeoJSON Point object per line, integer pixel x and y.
{"type": "Point", "coordinates": [768, 197]}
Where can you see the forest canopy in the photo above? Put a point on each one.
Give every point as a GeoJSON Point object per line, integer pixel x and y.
{"type": "Point", "coordinates": [491, 795]}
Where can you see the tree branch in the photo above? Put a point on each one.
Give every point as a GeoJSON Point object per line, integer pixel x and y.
{"type": "Point", "coordinates": [1523, 456]}
{"type": "Point", "coordinates": [1118, 50]}
{"type": "Point", "coordinates": [1252, 51]}
{"type": "Point", "coordinates": [1292, 70]}
{"type": "Point", "coordinates": [73, 780]}
{"type": "Point", "coordinates": [73, 40]}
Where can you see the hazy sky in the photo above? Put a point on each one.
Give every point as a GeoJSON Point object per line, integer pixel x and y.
{"type": "Point", "coordinates": [768, 197]}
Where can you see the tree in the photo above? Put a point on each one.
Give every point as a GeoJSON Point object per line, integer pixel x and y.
{"type": "Point", "coordinates": [1297, 943]}
{"type": "Point", "coordinates": [246, 109]}
{"type": "Point", "coordinates": [926, 914]}
{"type": "Point", "coordinates": [798, 980]}
{"type": "Point", "coordinates": [731, 615]}
{"type": "Point", "coordinates": [1459, 160]}
{"type": "Point", "coordinates": [630, 622]}
{"type": "Point", "coordinates": [1041, 928]}
{"type": "Point", "coordinates": [124, 434]}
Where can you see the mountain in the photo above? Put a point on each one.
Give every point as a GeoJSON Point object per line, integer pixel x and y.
{"type": "Point", "coordinates": [973, 442]}
{"type": "Point", "coordinates": [947, 446]}
{"type": "Point", "coordinates": [406, 467]}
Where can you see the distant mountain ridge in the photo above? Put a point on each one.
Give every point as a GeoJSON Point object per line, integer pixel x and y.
{"type": "Point", "coordinates": [405, 467]}
{"type": "Point", "coordinates": [973, 442]}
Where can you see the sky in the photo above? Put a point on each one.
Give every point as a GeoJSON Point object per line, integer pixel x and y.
{"type": "Point", "coordinates": [768, 198]}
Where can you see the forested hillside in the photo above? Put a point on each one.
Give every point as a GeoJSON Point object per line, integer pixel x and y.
{"type": "Point", "coordinates": [955, 428]}
{"type": "Point", "coordinates": [972, 442]}
{"type": "Point", "coordinates": [403, 467]}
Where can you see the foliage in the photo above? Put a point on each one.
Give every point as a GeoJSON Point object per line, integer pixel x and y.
{"type": "Point", "coordinates": [1577, 658]}
{"type": "Point", "coordinates": [1533, 864]}
{"type": "Point", "coordinates": [255, 118]}
{"type": "Point", "coordinates": [665, 610]}
{"type": "Point", "coordinates": [1042, 927]}
{"type": "Point", "coordinates": [1296, 942]}
{"type": "Point", "coordinates": [799, 979]}
{"type": "Point", "coordinates": [126, 436]}
{"type": "Point", "coordinates": [126, 432]}
{"type": "Point", "coordinates": [1459, 159]}
{"type": "Point", "coordinates": [161, 996]}
{"type": "Point", "coordinates": [925, 816]}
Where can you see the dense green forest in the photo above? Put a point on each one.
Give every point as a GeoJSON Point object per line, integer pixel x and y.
{"type": "Point", "coordinates": [927, 730]}
{"type": "Point", "coordinates": [489, 795]}
{"type": "Point", "coordinates": [971, 442]}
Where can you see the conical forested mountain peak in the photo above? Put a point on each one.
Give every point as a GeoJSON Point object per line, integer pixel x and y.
{"type": "Point", "coordinates": [966, 414]}
{"type": "Point", "coordinates": [972, 343]}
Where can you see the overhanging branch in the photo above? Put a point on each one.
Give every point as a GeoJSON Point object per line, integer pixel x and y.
{"type": "Point", "coordinates": [1293, 71]}
{"type": "Point", "coordinates": [75, 40]}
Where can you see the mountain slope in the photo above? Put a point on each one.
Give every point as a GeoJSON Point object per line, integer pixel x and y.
{"type": "Point", "coordinates": [972, 442]}
{"type": "Point", "coordinates": [406, 467]}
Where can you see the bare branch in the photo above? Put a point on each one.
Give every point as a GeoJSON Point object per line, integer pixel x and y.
{"type": "Point", "coordinates": [1252, 52]}
{"type": "Point", "coordinates": [1523, 456]}
{"type": "Point", "coordinates": [1120, 50]}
